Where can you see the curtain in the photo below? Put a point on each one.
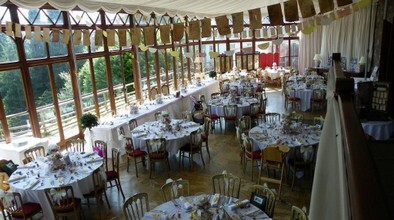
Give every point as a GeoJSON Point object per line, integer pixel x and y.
{"type": "Point", "coordinates": [329, 199]}
{"type": "Point", "coordinates": [309, 46]}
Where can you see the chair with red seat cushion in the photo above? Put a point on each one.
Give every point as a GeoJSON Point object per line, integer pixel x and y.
{"type": "Point", "coordinates": [17, 209]}
{"type": "Point", "coordinates": [113, 173]}
{"type": "Point", "coordinates": [293, 100]}
{"type": "Point", "coordinates": [135, 154]}
{"type": "Point", "coordinates": [249, 154]}
{"type": "Point", "coordinates": [98, 190]}
{"type": "Point", "coordinates": [205, 135]}
{"type": "Point", "coordinates": [63, 202]}
{"type": "Point", "coordinates": [318, 99]}
{"type": "Point", "coordinates": [157, 152]}
{"type": "Point", "coordinates": [230, 115]}
{"type": "Point", "coordinates": [193, 147]}
{"type": "Point", "coordinates": [215, 119]}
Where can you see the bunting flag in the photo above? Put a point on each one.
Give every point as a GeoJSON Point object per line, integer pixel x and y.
{"type": "Point", "coordinates": [263, 46]}
{"type": "Point", "coordinates": [307, 8]}
{"type": "Point", "coordinates": [28, 32]}
{"type": "Point", "coordinates": [165, 34]}
{"type": "Point", "coordinates": [213, 54]}
{"type": "Point", "coordinates": [206, 28]}
{"type": "Point", "coordinates": [135, 36]}
{"type": "Point", "coordinates": [238, 22]}
{"type": "Point", "coordinates": [18, 30]}
{"type": "Point", "coordinates": [255, 18]}
{"type": "Point", "coordinates": [326, 6]}
{"type": "Point", "coordinates": [222, 25]}
{"type": "Point", "coordinates": [66, 36]}
{"type": "Point", "coordinates": [344, 2]}
{"type": "Point", "coordinates": [122, 37]}
{"type": "Point", "coordinates": [278, 41]}
{"type": "Point", "coordinates": [8, 28]}
{"type": "Point", "coordinates": [56, 35]}
{"type": "Point", "coordinates": [111, 38]}
{"type": "Point", "coordinates": [37, 33]}
{"type": "Point", "coordinates": [179, 29]}
{"type": "Point", "coordinates": [86, 38]}
{"type": "Point", "coordinates": [265, 33]}
{"type": "Point", "coordinates": [229, 53]}
{"type": "Point", "coordinates": [275, 14]}
{"type": "Point", "coordinates": [45, 37]}
{"type": "Point", "coordinates": [143, 47]}
{"type": "Point", "coordinates": [174, 53]}
{"type": "Point", "coordinates": [98, 37]}
{"type": "Point", "coordinates": [149, 35]}
{"type": "Point", "coordinates": [291, 10]}
{"type": "Point", "coordinates": [194, 30]}
{"type": "Point", "coordinates": [152, 50]}
{"type": "Point", "coordinates": [76, 38]}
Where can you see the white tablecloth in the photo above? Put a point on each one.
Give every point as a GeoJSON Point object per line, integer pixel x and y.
{"type": "Point", "coordinates": [217, 106]}
{"type": "Point", "coordinates": [108, 128]}
{"type": "Point", "coordinates": [305, 95]}
{"type": "Point", "coordinates": [168, 210]}
{"type": "Point", "coordinates": [175, 139]}
{"type": "Point", "coordinates": [380, 130]}
{"type": "Point", "coordinates": [37, 177]}
{"type": "Point", "coordinates": [15, 153]}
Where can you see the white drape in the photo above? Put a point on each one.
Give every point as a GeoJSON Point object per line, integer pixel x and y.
{"type": "Point", "coordinates": [348, 36]}
{"type": "Point", "coordinates": [329, 199]}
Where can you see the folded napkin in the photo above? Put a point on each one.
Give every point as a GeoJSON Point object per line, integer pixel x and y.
{"type": "Point", "coordinates": [239, 204]}
{"type": "Point", "coordinates": [26, 166]}
{"type": "Point", "coordinates": [95, 160]}
{"type": "Point", "coordinates": [33, 184]}
{"type": "Point", "coordinates": [155, 214]}
{"type": "Point", "coordinates": [186, 204]}
{"type": "Point", "coordinates": [215, 200]}
{"type": "Point", "coordinates": [16, 179]}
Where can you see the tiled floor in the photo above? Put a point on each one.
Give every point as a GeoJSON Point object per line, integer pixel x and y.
{"type": "Point", "coordinates": [224, 150]}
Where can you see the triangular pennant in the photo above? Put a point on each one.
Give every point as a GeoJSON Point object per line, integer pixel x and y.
{"type": "Point", "coordinates": [275, 14]}
{"type": "Point", "coordinates": [278, 41]}
{"type": "Point", "coordinates": [238, 22]}
{"type": "Point", "coordinates": [98, 37]}
{"type": "Point", "coordinates": [179, 29]}
{"type": "Point", "coordinates": [8, 29]}
{"type": "Point", "coordinates": [149, 35]}
{"type": "Point", "coordinates": [194, 30]}
{"type": "Point", "coordinates": [135, 36]}
{"type": "Point", "coordinates": [143, 47]}
{"type": "Point", "coordinates": [291, 10]}
{"type": "Point", "coordinates": [263, 46]}
{"type": "Point", "coordinates": [206, 27]}
{"type": "Point", "coordinates": [152, 50]}
{"type": "Point", "coordinates": [122, 37]}
{"type": "Point", "coordinates": [307, 8]}
{"type": "Point", "coordinates": [56, 35]}
{"type": "Point", "coordinates": [18, 30]}
{"type": "Point", "coordinates": [213, 54]}
{"type": "Point", "coordinates": [255, 18]}
{"type": "Point", "coordinates": [326, 6]}
{"type": "Point", "coordinates": [28, 32]}
{"type": "Point", "coordinates": [174, 53]}
{"type": "Point", "coordinates": [222, 25]}
{"type": "Point", "coordinates": [165, 33]}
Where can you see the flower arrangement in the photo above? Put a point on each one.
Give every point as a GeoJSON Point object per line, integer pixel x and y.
{"type": "Point", "coordinates": [166, 120]}
{"type": "Point", "coordinates": [56, 160]}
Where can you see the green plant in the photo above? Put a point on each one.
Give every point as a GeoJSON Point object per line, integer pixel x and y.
{"type": "Point", "coordinates": [88, 120]}
{"type": "Point", "coordinates": [212, 74]}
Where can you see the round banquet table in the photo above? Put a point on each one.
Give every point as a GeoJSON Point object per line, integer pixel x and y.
{"type": "Point", "coordinates": [176, 209]}
{"type": "Point", "coordinates": [271, 133]}
{"type": "Point", "coordinates": [175, 138]}
{"type": "Point", "coordinates": [380, 130]}
{"type": "Point", "coordinates": [33, 178]}
{"type": "Point", "coordinates": [217, 106]}
{"type": "Point", "coordinates": [299, 90]}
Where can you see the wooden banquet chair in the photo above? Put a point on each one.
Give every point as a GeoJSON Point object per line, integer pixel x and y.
{"type": "Point", "coordinates": [100, 147]}
{"type": "Point", "coordinates": [113, 174]}
{"type": "Point", "coordinates": [135, 154]}
{"type": "Point", "coordinates": [135, 206]}
{"type": "Point", "coordinates": [230, 115]}
{"type": "Point", "coordinates": [165, 89]}
{"type": "Point", "coordinates": [153, 92]}
{"type": "Point", "coordinates": [292, 100]}
{"type": "Point", "coordinates": [297, 213]}
{"type": "Point", "coordinates": [175, 189]}
{"type": "Point", "coordinates": [272, 117]}
{"type": "Point", "coordinates": [254, 112]}
{"type": "Point", "coordinates": [98, 190]}
{"type": "Point", "coordinates": [132, 124]}
{"type": "Point", "coordinates": [215, 119]}
{"type": "Point", "coordinates": [297, 117]}
{"type": "Point", "coordinates": [253, 156]}
{"type": "Point", "coordinates": [76, 145]}
{"type": "Point", "coordinates": [16, 208]}
{"type": "Point", "coordinates": [4, 184]}
{"type": "Point", "coordinates": [271, 198]}
{"type": "Point", "coordinates": [157, 152]}
{"type": "Point", "coordinates": [226, 184]}
{"type": "Point", "coordinates": [273, 157]}
{"type": "Point", "coordinates": [193, 147]}
{"type": "Point", "coordinates": [297, 161]}
{"type": "Point", "coordinates": [205, 134]}
{"type": "Point", "coordinates": [157, 116]}
{"type": "Point", "coordinates": [215, 95]}
{"type": "Point", "coordinates": [34, 153]}
{"type": "Point", "coordinates": [318, 99]}
{"type": "Point", "coordinates": [63, 202]}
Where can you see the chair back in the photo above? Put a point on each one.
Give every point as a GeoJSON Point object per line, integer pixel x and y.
{"type": "Point", "coordinates": [133, 124]}
{"type": "Point", "coordinates": [230, 112]}
{"type": "Point", "coordinates": [207, 126]}
{"type": "Point", "coordinates": [175, 189]}
{"type": "Point", "coordinates": [272, 117]}
{"type": "Point", "coordinates": [98, 183]}
{"type": "Point", "coordinates": [297, 117]}
{"type": "Point", "coordinates": [135, 206]}
{"type": "Point", "coordinates": [165, 89]}
{"type": "Point", "coordinates": [186, 115]}
{"type": "Point", "coordinates": [129, 147]}
{"type": "Point", "coordinates": [318, 94]}
{"type": "Point", "coordinates": [63, 201]}
{"type": "Point", "coordinates": [157, 116]}
{"type": "Point", "coordinates": [271, 199]}
{"type": "Point", "coordinates": [156, 148]}
{"type": "Point", "coordinates": [115, 162]}
{"type": "Point", "coordinates": [215, 95]}
{"type": "Point", "coordinates": [3, 210]}
{"type": "Point", "coordinates": [13, 205]}
{"type": "Point", "coordinates": [254, 109]}
{"type": "Point", "coordinates": [297, 213]}
{"type": "Point", "coordinates": [247, 144]}
{"type": "Point", "coordinates": [226, 184]}
{"type": "Point", "coordinates": [34, 153]}
{"type": "Point", "coordinates": [245, 123]}
{"type": "Point", "coordinates": [4, 181]}
{"type": "Point", "coordinates": [76, 145]}
{"type": "Point", "coordinates": [195, 139]}
{"type": "Point", "coordinates": [274, 154]}
{"type": "Point", "coordinates": [153, 93]}
{"type": "Point", "coordinates": [100, 147]}
{"type": "Point", "coordinates": [121, 131]}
